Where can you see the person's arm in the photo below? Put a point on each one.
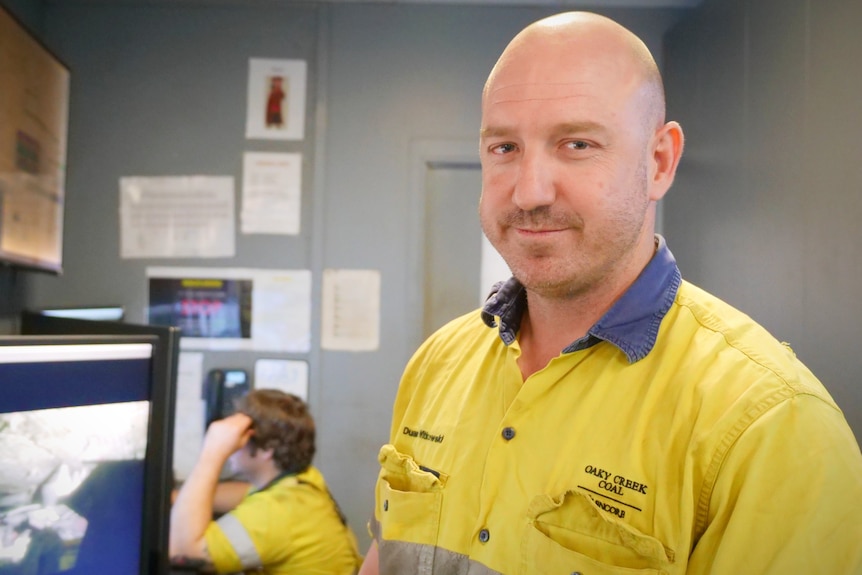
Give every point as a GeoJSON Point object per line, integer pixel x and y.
{"type": "Point", "coordinates": [228, 494]}
{"type": "Point", "coordinates": [193, 509]}
{"type": "Point", "coordinates": [371, 563]}
{"type": "Point", "coordinates": [787, 497]}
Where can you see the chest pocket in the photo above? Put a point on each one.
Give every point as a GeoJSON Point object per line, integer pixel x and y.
{"type": "Point", "coordinates": [569, 534]}
{"type": "Point", "coordinates": [409, 499]}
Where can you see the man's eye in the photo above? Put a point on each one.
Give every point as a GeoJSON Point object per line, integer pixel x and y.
{"type": "Point", "coordinates": [578, 145]}
{"type": "Point", "coordinates": [503, 148]}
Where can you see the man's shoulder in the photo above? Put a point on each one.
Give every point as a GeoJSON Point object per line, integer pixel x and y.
{"type": "Point", "coordinates": [732, 338]}
{"type": "Point", "coordinates": [463, 337]}
{"type": "Point", "coordinates": [282, 498]}
{"type": "Point", "coordinates": [464, 324]}
{"type": "Point", "coordinates": [459, 331]}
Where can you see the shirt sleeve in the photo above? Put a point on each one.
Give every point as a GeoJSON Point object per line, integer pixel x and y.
{"type": "Point", "coordinates": [224, 558]}
{"type": "Point", "coordinates": [786, 498]}
{"type": "Point", "coordinates": [237, 540]}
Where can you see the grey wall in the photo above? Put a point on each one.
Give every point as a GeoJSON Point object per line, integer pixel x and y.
{"type": "Point", "coordinates": [29, 12]}
{"type": "Point", "coordinates": [766, 208]}
{"type": "Point", "coordinates": [160, 90]}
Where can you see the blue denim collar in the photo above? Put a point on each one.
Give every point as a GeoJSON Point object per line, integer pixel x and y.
{"type": "Point", "coordinates": [631, 324]}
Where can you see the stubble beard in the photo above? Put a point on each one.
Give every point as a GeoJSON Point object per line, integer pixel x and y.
{"type": "Point", "coordinates": [537, 265]}
{"type": "Point", "coordinates": [586, 264]}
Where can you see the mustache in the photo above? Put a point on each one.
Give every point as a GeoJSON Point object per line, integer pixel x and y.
{"type": "Point", "coordinates": [540, 218]}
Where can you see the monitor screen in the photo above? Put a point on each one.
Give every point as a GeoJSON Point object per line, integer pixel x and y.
{"type": "Point", "coordinates": [159, 478]}
{"type": "Point", "coordinates": [76, 418]}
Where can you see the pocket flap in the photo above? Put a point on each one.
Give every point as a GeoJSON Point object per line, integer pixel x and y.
{"type": "Point", "coordinates": [573, 520]}
{"type": "Point", "coordinates": [404, 474]}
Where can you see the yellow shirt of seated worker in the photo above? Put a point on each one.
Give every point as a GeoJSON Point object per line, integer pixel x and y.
{"type": "Point", "coordinates": [290, 526]}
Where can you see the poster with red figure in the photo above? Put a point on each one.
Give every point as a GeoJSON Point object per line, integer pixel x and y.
{"type": "Point", "coordinates": [276, 99]}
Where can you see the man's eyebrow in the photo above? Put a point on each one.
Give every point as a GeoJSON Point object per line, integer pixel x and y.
{"type": "Point", "coordinates": [584, 127]}
{"type": "Point", "coordinates": [565, 128]}
{"type": "Point", "coordinates": [495, 132]}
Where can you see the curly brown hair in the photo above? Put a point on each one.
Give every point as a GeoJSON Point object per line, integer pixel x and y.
{"type": "Point", "coordinates": [281, 422]}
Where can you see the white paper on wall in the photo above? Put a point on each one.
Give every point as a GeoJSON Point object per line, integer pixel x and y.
{"type": "Point", "coordinates": [351, 310]}
{"type": "Point", "coordinates": [289, 376]}
{"type": "Point", "coordinates": [271, 193]}
{"type": "Point", "coordinates": [189, 415]}
{"type": "Point", "coordinates": [173, 217]}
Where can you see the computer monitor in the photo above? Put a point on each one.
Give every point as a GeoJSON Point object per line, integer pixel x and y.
{"type": "Point", "coordinates": [82, 468]}
{"type": "Point", "coordinates": [160, 446]}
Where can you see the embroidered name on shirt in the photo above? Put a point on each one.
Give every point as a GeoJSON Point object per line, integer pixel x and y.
{"type": "Point", "coordinates": [422, 434]}
{"type": "Point", "coordinates": [612, 483]}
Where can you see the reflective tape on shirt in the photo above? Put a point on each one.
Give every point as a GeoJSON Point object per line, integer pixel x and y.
{"type": "Point", "coordinates": [240, 540]}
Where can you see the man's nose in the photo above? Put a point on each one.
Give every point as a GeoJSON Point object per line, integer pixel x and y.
{"type": "Point", "coordinates": [534, 186]}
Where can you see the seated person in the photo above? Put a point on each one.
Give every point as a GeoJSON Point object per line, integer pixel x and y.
{"type": "Point", "coordinates": [285, 521]}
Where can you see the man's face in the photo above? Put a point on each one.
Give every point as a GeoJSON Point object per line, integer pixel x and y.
{"type": "Point", "coordinates": [564, 154]}
{"type": "Point", "coordinates": [242, 463]}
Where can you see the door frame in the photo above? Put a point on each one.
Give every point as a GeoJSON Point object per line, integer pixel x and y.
{"type": "Point", "coordinates": [424, 156]}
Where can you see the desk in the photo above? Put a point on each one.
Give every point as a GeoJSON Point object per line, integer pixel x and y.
{"type": "Point", "coordinates": [189, 567]}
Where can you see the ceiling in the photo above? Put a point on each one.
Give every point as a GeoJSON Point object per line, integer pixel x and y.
{"type": "Point", "coordinates": [566, 4]}
{"type": "Point", "coordinates": [558, 3]}
{"type": "Point", "coordinates": [552, 3]}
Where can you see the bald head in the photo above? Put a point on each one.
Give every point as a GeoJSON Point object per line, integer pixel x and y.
{"type": "Point", "coordinates": [575, 156]}
{"type": "Point", "coordinates": [554, 56]}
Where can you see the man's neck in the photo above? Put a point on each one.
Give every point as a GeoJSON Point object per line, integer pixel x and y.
{"type": "Point", "coordinates": [551, 323]}
{"type": "Point", "coordinates": [549, 326]}
{"type": "Point", "coordinates": [264, 477]}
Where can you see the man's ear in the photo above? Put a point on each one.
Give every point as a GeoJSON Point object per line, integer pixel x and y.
{"type": "Point", "coordinates": [266, 453]}
{"type": "Point", "coordinates": [260, 452]}
{"type": "Point", "coordinates": [668, 143]}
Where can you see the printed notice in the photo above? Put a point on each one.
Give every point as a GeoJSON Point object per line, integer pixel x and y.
{"type": "Point", "coordinates": [351, 310]}
{"type": "Point", "coordinates": [189, 422]}
{"type": "Point", "coordinates": [177, 217]}
{"type": "Point", "coordinates": [271, 189]}
{"type": "Point", "coordinates": [289, 376]}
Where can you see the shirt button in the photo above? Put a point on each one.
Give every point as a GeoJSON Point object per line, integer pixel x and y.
{"type": "Point", "coordinates": [508, 433]}
{"type": "Point", "coordinates": [484, 535]}
{"type": "Point", "coordinates": [386, 505]}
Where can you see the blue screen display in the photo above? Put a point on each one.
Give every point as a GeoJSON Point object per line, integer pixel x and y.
{"type": "Point", "coordinates": [30, 386]}
{"type": "Point", "coordinates": [73, 440]}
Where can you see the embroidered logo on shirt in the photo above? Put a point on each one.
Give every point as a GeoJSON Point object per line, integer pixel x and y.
{"type": "Point", "coordinates": [422, 434]}
{"type": "Point", "coordinates": [613, 487]}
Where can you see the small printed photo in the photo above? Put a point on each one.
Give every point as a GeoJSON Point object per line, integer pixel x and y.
{"type": "Point", "coordinates": [276, 99]}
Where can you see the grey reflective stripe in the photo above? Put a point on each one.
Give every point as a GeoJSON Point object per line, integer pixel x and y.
{"type": "Point", "coordinates": [402, 557]}
{"type": "Point", "coordinates": [240, 540]}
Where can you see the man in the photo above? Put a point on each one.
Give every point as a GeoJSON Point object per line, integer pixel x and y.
{"type": "Point", "coordinates": [285, 521]}
{"type": "Point", "coordinates": [601, 415]}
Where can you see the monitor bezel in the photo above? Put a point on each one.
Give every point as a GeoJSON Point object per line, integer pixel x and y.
{"type": "Point", "coordinates": [159, 475]}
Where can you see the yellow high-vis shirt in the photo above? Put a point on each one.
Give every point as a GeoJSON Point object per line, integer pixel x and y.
{"type": "Point", "coordinates": [703, 448]}
{"type": "Point", "coordinates": [291, 526]}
